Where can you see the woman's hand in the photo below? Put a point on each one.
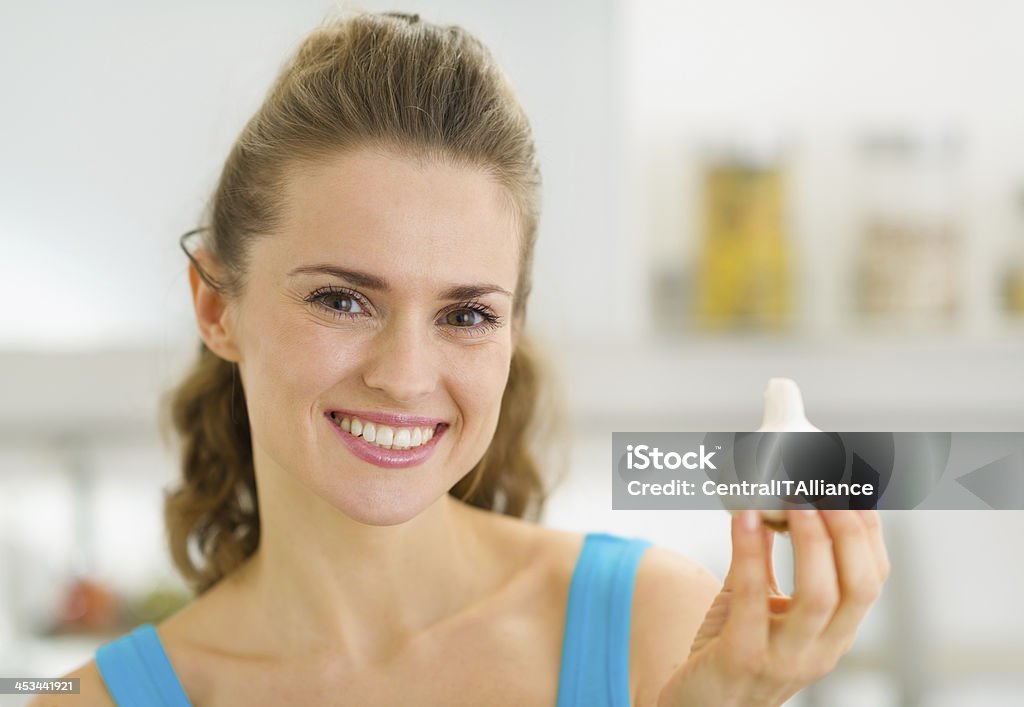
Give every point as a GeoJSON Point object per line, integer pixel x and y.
{"type": "Point", "coordinates": [758, 647]}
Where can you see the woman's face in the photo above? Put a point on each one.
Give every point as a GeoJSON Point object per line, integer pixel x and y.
{"type": "Point", "coordinates": [379, 315]}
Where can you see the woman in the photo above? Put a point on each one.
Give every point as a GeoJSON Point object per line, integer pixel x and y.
{"type": "Point", "coordinates": [361, 408]}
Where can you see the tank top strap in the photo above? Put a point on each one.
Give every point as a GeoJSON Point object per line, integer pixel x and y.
{"type": "Point", "coordinates": [595, 648]}
{"type": "Point", "coordinates": [138, 672]}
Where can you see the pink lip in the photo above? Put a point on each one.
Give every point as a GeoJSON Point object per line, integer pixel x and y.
{"type": "Point", "coordinates": [389, 419]}
{"type": "Point", "coordinates": [388, 458]}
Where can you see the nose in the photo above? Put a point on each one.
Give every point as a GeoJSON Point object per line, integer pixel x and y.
{"type": "Point", "coordinates": [403, 362]}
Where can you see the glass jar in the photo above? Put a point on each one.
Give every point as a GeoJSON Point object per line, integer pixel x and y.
{"type": "Point", "coordinates": [910, 235]}
{"type": "Point", "coordinates": [744, 269]}
{"type": "Point", "coordinates": [1013, 267]}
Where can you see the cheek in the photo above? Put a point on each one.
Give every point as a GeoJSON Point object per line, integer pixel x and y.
{"type": "Point", "coordinates": [292, 364]}
{"type": "Point", "coordinates": [476, 379]}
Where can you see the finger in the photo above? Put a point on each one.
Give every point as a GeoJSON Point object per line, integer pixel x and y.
{"type": "Point", "coordinates": [859, 580]}
{"type": "Point", "coordinates": [769, 564]}
{"type": "Point", "coordinates": [745, 633]}
{"type": "Point", "coordinates": [873, 522]}
{"type": "Point", "coordinates": [816, 585]}
{"type": "Point", "coordinates": [768, 538]}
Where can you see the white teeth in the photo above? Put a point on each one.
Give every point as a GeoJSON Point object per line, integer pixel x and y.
{"type": "Point", "coordinates": [385, 436]}
{"type": "Point", "coordinates": [402, 438]}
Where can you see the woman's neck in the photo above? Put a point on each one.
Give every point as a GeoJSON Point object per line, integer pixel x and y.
{"type": "Point", "coordinates": [323, 583]}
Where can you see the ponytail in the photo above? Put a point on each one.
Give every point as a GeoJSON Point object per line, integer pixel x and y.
{"type": "Point", "coordinates": [212, 517]}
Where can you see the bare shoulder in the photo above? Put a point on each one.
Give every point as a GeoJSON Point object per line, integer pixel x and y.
{"type": "Point", "coordinates": [525, 542]}
{"type": "Point", "coordinates": [92, 690]}
{"type": "Point", "coordinates": [671, 595]}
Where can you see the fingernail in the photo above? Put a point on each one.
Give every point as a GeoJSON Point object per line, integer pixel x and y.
{"type": "Point", "coordinates": [750, 520]}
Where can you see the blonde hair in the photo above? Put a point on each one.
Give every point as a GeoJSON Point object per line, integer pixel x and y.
{"type": "Point", "coordinates": [384, 80]}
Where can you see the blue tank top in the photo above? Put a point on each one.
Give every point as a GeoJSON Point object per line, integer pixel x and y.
{"type": "Point", "coordinates": [138, 673]}
{"type": "Point", "coordinates": [595, 647]}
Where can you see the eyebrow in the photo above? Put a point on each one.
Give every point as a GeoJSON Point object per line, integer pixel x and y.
{"type": "Point", "coordinates": [373, 282]}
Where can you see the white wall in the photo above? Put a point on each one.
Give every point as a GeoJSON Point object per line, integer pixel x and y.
{"type": "Point", "coordinates": [818, 75]}
{"type": "Point", "coordinates": [118, 115]}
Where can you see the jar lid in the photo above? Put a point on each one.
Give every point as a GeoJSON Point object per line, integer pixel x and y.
{"type": "Point", "coordinates": [912, 143]}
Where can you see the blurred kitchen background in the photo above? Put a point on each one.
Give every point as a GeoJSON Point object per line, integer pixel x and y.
{"type": "Point", "coordinates": [734, 190]}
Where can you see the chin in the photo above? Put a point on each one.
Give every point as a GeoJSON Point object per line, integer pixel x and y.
{"type": "Point", "coordinates": [384, 505]}
{"type": "Point", "coordinates": [382, 516]}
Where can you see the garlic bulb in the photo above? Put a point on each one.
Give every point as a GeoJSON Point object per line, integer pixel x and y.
{"type": "Point", "coordinates": [784, 408]}
{"type": "Point", "coordinates": [783, 412]}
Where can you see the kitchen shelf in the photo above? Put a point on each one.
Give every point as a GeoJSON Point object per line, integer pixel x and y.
{"type": "Point", "coordinates": [916, 381]}
{"type": "Point", "coordinates": [848, 383]}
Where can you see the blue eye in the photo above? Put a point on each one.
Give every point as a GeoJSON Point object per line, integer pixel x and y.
{"type": "Point", "coordinates": [467, 318]}
{"type": "Point", "coordinates": [337, 302]}
{"type": "Point", "coordinates": [472, 319]}
{"type": "Point", "coordinates": [340, 302]}
{"type": "Point", "coordinates": [464, 317]}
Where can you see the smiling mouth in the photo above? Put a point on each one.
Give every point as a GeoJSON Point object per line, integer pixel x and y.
{"type": "Point", "coordinates": [387, 436]}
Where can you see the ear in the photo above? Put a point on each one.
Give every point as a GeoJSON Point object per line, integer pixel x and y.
{"type": "Point", "coordinates": [211, 307]}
